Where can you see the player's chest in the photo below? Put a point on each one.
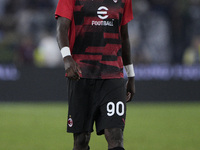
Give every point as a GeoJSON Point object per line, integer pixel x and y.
{"type": "Point", "coordinates": [102, 9]}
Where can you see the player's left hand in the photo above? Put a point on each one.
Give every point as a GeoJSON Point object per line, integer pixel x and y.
{"type": "Point", "coordinates": [130, 88]}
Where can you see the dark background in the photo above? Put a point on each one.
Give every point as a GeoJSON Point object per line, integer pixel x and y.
{"type": "Point", "coordinates": [44, 84]}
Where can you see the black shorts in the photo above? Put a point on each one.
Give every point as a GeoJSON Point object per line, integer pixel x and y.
{"type": "Point", "coordinates": [102, 101]}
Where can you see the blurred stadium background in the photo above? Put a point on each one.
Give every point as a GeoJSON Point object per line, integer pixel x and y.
{"type": "Point", "coordinates": [165, 44]}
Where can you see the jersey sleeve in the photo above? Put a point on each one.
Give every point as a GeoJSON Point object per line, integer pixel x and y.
{"type": "Point", "coordinates": [128, 12]}
{"type": "Point", "coordinates": [65, 9]}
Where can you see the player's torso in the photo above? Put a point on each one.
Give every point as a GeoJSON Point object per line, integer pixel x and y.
{"type": "Point", "coordinates": [97, 47]}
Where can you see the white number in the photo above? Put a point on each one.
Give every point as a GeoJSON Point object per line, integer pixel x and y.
{"type": "Point", "coordinates": [111, 108]}
{"type": "Point", "coordinates": [122, 108]}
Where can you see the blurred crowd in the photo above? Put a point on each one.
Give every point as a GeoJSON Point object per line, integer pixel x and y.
{"type": "Point", "coordinates": [163, 31]}
{"type": "Point", "coordinates": [27, 33]}
{"type": "Point", "coordinates": [166, 31]}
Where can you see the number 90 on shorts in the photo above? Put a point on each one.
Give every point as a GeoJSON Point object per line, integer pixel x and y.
{"type": "Point", "coordinates": [117, 108]}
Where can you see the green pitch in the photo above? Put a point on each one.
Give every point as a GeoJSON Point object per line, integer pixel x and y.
{"type": "Point", "coordinates": [41, 126]}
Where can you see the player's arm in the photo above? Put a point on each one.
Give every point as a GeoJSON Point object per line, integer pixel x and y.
{"type": "Point", "coordinates": [71, 67]}
{"type": "Point", "coordinates": [126, 57]}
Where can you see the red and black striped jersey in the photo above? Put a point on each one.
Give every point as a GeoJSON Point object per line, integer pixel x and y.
{"type": "Point", "coordinates": [94, 36]}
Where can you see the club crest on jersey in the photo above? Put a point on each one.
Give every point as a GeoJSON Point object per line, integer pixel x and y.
{"type": "Point", "coordinates": [115, 1]}
{"type": "Point", "coordinates": [70, 122]}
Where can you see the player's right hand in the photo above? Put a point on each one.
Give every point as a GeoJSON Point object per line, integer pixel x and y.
{"type": "Point", "coordinates": [72, 69]}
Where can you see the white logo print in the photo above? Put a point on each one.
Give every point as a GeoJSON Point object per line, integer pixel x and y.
{"type": "Point", "coordinates": [102, 12]}
{"type": "Point", "coordinates": [115, 1]}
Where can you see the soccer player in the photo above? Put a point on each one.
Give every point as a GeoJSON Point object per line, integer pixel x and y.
{"type": "Point", "coordinates": [94, 42]}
